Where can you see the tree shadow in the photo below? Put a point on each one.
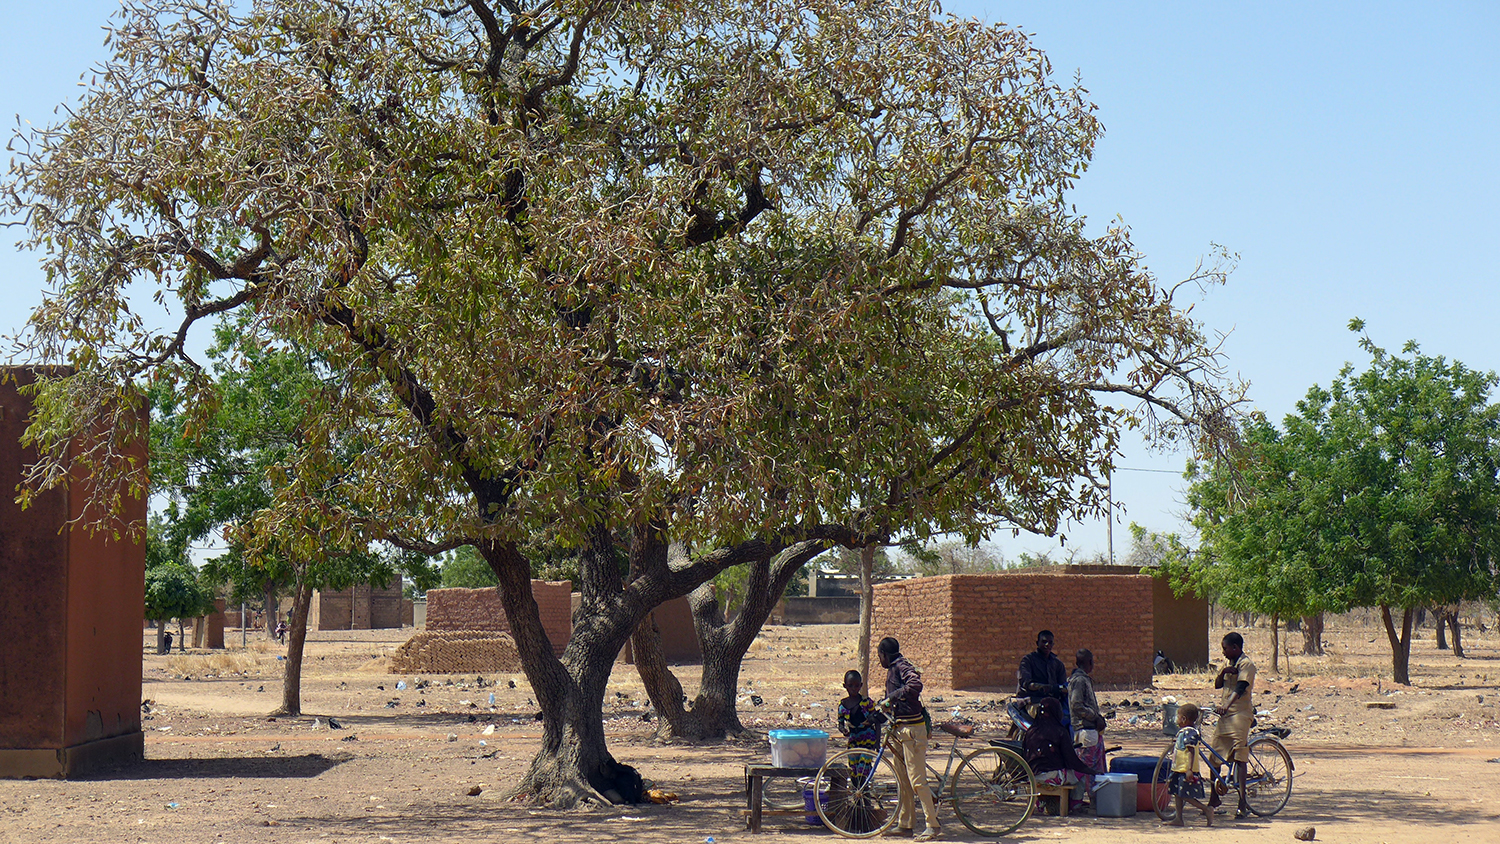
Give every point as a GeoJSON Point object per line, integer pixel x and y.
{"type": "Point", "coordinates": [305, 766]}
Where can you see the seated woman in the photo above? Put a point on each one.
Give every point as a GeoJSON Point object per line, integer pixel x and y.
{"type": "Point", "coordinates": [1048, 748]}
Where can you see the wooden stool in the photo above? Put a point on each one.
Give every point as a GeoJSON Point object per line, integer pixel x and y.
{"type": "Point", "coordinates": [1063, 793]}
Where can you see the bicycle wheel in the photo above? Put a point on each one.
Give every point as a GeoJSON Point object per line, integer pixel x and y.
{"type": "Point", "coordinates": [782, 793]}
{"type": "Point", "coordinates": [857, 806]}
{"type": "Point", "coordinates": [1161, 799]}
{"type": "Point", "coordinates": [993, 791]}
{"type": "Point", "coordinates": [1268, 783]}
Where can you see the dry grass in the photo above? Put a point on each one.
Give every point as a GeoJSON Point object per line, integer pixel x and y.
{"type": "Point", "coordinates": [222, 662]}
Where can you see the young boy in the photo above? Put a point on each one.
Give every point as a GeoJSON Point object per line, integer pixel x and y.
{"type": "Point", "coordinates": [1185, 783]}
{"type": "Point", "coordinates": [860, 720]}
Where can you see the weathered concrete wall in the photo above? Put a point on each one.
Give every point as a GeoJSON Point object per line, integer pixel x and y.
{"type": "Point", "coordinates": [208, 631]}
{"type": "Point", "coordinates": [480, 609]}
{"type": "Point", "coordinates": [970, 631]}
{"type": "Point", "coordinates": [830, 609]}
{"type": "Point", "coordinates": [70, 656]}
{"type": "Point", "coordinates": [363, 606]}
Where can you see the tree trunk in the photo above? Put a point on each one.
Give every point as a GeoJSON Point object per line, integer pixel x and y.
{"type": "Point", "coordinates": [1400, 643]}
{"type": "Point", "coordinates": [574, 764]}
{"type": "Point", "coordinates": [271, 611]}
{"type": "Point", "coordinates": [1312, 635]}
{"type": "Point", "coordinates": [291, 684]}
{"type": "Point", "coordinates": [1440, 616]}
{"type": "Point", "coordinates": [866, 609]}
{"type": "Point", "coordinates": [1275, 642]}
{"type": "Point", "coordinates": [714, 713]}
{"type": "Point", "coordinates": [1449, 617]}
{"type": "Point", "coordinates": [181, 640]}
{"type": "Point", "coordinates": [161, 637]}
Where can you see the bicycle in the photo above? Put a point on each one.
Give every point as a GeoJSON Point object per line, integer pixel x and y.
{"type": "Point", "coordinates": [1268, 775]}
{"type": "Point", "coordinates": [992, 789]}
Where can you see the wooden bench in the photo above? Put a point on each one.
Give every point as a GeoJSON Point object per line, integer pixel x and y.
{"type": "Point", "coordinates": [1063, 793]}
{"type": "Point", "coordinates": [755, 789]}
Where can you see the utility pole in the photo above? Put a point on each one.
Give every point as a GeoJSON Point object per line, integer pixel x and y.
{"type": "Point", "coordinates": [1109, 497]}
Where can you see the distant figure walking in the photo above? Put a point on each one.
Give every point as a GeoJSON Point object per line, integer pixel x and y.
{"type": "Point", "coordinates": [281, 632]}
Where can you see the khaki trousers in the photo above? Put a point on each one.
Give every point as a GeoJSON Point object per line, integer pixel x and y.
{"type": "Point", "coordinates": [911, 775]}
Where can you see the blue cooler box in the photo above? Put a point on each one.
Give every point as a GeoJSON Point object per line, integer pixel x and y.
{"type": "Point", "coordinates": [1142, 767]}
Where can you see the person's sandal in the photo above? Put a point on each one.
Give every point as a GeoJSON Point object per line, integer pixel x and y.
{"type": "Point", "coordinates": [931, 833]}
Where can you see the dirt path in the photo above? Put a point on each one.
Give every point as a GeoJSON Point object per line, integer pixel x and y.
{"type": "Point", "coordinates": [219, 770]}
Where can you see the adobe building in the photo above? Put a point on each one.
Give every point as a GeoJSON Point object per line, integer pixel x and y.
{"type": "Point", "coordinates": [480, 609]}
{"type": "Point", "coordinates": [363, 606]}
{"type": "Point", "coordinates": [679, 638]}
{"type": "Point", "coordinates": [70, 627]}
{"type": "Point", "coordinates": [971, 630]}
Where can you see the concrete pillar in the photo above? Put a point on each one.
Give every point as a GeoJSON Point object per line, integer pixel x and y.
{"type": "Point", "coordinates": [71, 623]}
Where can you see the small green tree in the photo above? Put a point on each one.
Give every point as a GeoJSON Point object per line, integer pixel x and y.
{"type": "Point", "coordinates": [172, 591]}
{"type": "Point", "coordinates": [221, 445]}
{"type": "Point", "coordinates": [1381, 491]}
{"type": "Point", "coordinates": [464, 568]}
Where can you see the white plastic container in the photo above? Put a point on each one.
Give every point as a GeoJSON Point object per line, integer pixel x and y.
{"type": "Point", "coordinates": [1114, 795]}
{"type": "Point", "coordinates": [799, 748]}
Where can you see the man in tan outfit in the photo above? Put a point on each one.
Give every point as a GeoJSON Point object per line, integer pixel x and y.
{"type": "Point", "coordinates": [911, 729]}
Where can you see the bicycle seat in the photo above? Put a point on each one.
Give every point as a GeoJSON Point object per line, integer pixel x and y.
{"type": "Point", "coordinates": [958, 729]}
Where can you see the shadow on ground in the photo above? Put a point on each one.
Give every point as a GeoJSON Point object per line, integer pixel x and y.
{"type": "Point", "coordinates": [305, 766]}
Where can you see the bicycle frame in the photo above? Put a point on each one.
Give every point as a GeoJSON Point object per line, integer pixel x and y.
{"type": "Point", "coordinates": [1260, 771]}
{"type": "Point", "coordinates": [1205, 750]}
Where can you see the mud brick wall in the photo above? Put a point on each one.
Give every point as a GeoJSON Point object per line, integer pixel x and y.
{"type": "Point", "coordinates": [970, 631]}
{"type": "Point", "coordinates": [480, 609]}
{"type": "Point", "coordinates": [674, 623]}
{"type": "Point", "coordinates": [1181, 625]}
{"type": "Point", "coordinates": [919, 614]}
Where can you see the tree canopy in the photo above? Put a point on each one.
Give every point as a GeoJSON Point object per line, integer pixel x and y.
{"type": "Point", "coordinates": [739, 275]}
{"type": "Point", "coordinates": [1381, 491]}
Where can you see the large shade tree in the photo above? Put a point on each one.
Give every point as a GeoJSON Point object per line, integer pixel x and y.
{"type": "Point", "coordinates": [744, 276]}
{"type": "Point", "coordinates": [1380, 491]}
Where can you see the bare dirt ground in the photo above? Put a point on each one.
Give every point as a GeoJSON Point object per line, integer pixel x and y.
{"type": "Point", "coordinates": [405, 761]}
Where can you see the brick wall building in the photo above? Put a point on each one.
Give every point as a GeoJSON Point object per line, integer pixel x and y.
{"type": "Point", "coordinates": [970, 631]}
{"type": "Point", "coordinates": [363, 606]}
{"type": "Point", "coordinates": [480, 609]}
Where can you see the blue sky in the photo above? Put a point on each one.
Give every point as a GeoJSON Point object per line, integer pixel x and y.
{"type": "Point", "coordinates": [1346, 151]}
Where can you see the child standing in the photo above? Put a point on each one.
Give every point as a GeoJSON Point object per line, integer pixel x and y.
{"type": "Point", "coordinates": [860, 720]}
{"type": "Point", "coordinates": [1185, 784]}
